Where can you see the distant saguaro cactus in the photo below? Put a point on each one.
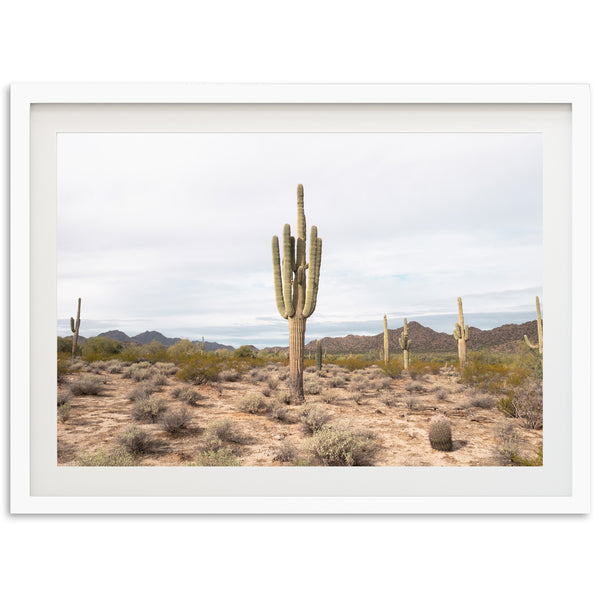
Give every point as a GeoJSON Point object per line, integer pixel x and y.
{"type": "Point", "coordinates": [75, 328]}
{"type": "Point", "coordinates": [540, 344]}
{"type": "Point", "coordinates": [319, 355]}
{"type": "Point", "coordinates": [461, 334]}
{"type": "Point", "coordinates": [386, 342]}
{"type": "Point", "coordinates": [296, 297]}
{"type": "Point", "coordinates": [202, 345]}
{"type": "Point", "coordinates": [440, 433]}
{"type": "Point", "coordinates": [405, 344]}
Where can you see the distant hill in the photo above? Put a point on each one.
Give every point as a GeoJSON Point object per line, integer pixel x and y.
{"type": "Point", "coordinates": [149, 336]}
{"type": "Point", "coordinates": [424, 339]}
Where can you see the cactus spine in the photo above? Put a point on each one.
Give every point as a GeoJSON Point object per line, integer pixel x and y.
{"type": "Point", "coordinates": [405, 344]}
{"type": "Point", "coordinates": [319, 355]}
{"type": "Point", "coordinates": [296, 297]}
{"type": "Point", "coordinates": [75, 328]}
{"type": "Point", "coordinates": [461, 334]}
{"type": "Point", "coordinates": [540, 344]}
{"type": "Point", "coordinates": [386, 342]}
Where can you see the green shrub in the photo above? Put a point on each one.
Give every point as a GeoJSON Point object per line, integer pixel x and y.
{"type": "Point", "coordinates": [200, 369]}
{"type": "Point", "coordinates": [64, 344]}
{"type": "Point", "coordinates": [244, 352]}
{"type": "Point", "coordinates": [183, 350]}
{"type": "Point", "coordinates": [222, 457]}
{"type": "Point", "coordinates": [100, 348]}
{"type": "Point", "coordinates": [331, 446]}
{"type": "Point", "coordinates": [115, 456]}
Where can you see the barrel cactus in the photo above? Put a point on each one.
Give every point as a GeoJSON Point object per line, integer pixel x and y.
{"type": "Point", "coordinates": [75, 323]}
{"type": "Point", "coordinates": [461, 334]}
{"type": "Point", "coordinates": [440, 433]}
{"type": "Point", "coordinates": [540, 345]}
{"type": "Point", "coordinates": [296, 291]}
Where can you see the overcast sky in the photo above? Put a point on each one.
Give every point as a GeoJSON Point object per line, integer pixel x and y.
{"type": "Point", "coordinates": [173, 232]}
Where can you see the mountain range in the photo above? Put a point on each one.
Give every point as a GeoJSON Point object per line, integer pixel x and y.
{"type": "Point", "coordinates": [424, 339]}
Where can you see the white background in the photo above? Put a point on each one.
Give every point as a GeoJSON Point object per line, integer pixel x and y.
{"type": "Point", "coordinates": [297, 557]}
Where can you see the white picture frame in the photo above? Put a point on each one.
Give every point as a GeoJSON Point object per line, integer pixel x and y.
{"type": "Point", "coordinates": [40, 111]}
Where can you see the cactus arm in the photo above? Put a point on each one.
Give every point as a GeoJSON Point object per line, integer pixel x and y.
{"type": "Point", "coordinates": [288, 272]}
{"type": "Point", "coordinates": [72, 324]}
{"type": "Point", "coordinates": [276, 277]}
{"type": "Point", "coordinates": [312, 277]}
{"type": "Point", "coordinates": [466, 334]}
{"type": "Point", "coordinates": [539, 325]}
{"type": "Point", "coordinates": [456, 332]}
{"type": "Point", "coordinates": [530, 344]}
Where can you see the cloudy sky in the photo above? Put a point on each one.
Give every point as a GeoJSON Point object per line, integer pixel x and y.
{"type": "Point", "coordinates": [172, 232]}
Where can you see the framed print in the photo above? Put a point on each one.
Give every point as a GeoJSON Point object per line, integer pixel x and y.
{"type": "Point", "coordinates": [300, 299]}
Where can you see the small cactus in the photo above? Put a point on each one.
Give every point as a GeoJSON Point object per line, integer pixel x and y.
{"type": "Point", "coordinates": [75, 328]}
{"type": "Point", "coordinates": [319, 355]}
{"type": "Point", "coordinates": [386, 341]}
{"type": "Point", "coordinates": [540, 345]}
{"type": "Point", "coordinates": [461, 334]}
{"type": "Point", "coordinates": [440, 433]}
{"type": "Point", "coordinates": [405, 344]}
{"type": "Point", "coordinates": [202, 346]}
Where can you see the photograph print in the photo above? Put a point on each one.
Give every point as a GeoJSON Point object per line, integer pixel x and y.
{"type": "Point", "coordinates": [299, 299]}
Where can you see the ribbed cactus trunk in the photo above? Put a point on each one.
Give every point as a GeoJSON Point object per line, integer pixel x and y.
{"type": "Point", "coordinates": [461, 334]}
{"type": "Point", "coordinates": [296, 289]}
{"type": "Point", "coordinates": [75, 328]}
{"type": "Point", "coordinates": [540, 344]}
{"type": "Point", "coordinates": [386, 341]}
{"type": "Point", "coordinates": [319, 356]}
{"type": "Point", "coordinates": [405, 344]}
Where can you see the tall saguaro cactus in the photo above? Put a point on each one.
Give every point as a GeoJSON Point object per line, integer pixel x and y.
{"type": "Point", "coordinates": [405, 344]}
{"type": "Point", "coordinates": [540, 344]}
{"type": "Point", "coordinates": [461, 334]}
{"type": "Point", "coordinates": [296, 291]}
{"type": "Point", "coordinates": [319, 355]}
{"type": "Point", "coordinates": [386, 342]}
{"type": "Point", "coordinates": [75, 328]}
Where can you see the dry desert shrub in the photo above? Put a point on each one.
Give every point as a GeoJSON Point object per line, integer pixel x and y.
{"type": "Point", "coordinates": [413, 388]}
{"type": "Point", "coordinates": [149, 410]}
{"type": "Point", "coordinates": [312, 388]}
{"type": "Point", "coordinates": [441, 393]}
{"type": "Point", "coordinates": [284, 396]}
{"type": "Point", "coordinates": [508, 442]}
{"type": "Point", "coordinates": [188, 394]}
{"type": "Point", "coordinates": [175, 421]}
{"type": "Point", "coordinates": [87, 385]}
{"type": "Point", "coordinates": [159, 379]}
{"type": "Point", "coordinates": [64, 411]}
{"type": "Point", "coordinates": [166, 368]}
{"type": "Point", "coordinates": [223, 430]}
{"type": "Point", "coordinates": [313, 418]}
{"type": "Point", "coordinates": [413, 404]}
{"type": "Point", "coordinates": [356, 397]}
{"type": "Point", "coordinates": [252, 403]}
{"type": "Point", "coordinates": [272, 383]}
{"type": "Point", "coordinates": [286, 452]}
{"type": "Point", "coordinates": [136, 441]}
{"type": "Point", "coordinates": [337, 382]}
{"type": "Point", "coordinates": [528, 403]}
{"type": "Point", "coordinates": [280, 412]}
{"type": "Point", "coordinates": [229, 375]}
{"type": "Point", "coordinates": [329, 397]}
{"type": "Point", "coordinates": [259, 374]}
{"type": "Point", "coordinates": [113, 366]}
{"type": "Point", "coordinates": [142, 391]}
{"type": "Point", "coordinates": [64, 397]}
{"type": "Point", "coordinates": [389, 399]}
{"type": "Point", "coordinates": [480, 401]}
{"type": "Point", "coordinates": [266, 391]}
{"type": "Point", "coordinates": [335, 446]}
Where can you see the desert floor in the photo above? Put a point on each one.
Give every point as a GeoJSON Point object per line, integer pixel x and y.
{"type": "Point", "coordinates": [395, 413]}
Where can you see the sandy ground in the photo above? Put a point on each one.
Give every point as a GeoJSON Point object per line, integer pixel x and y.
{"type": "Point", "coordinates": [400, 431]}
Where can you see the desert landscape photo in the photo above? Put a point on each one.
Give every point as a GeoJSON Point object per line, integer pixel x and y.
{"type": "Point", "coordinates": [305, 300]}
